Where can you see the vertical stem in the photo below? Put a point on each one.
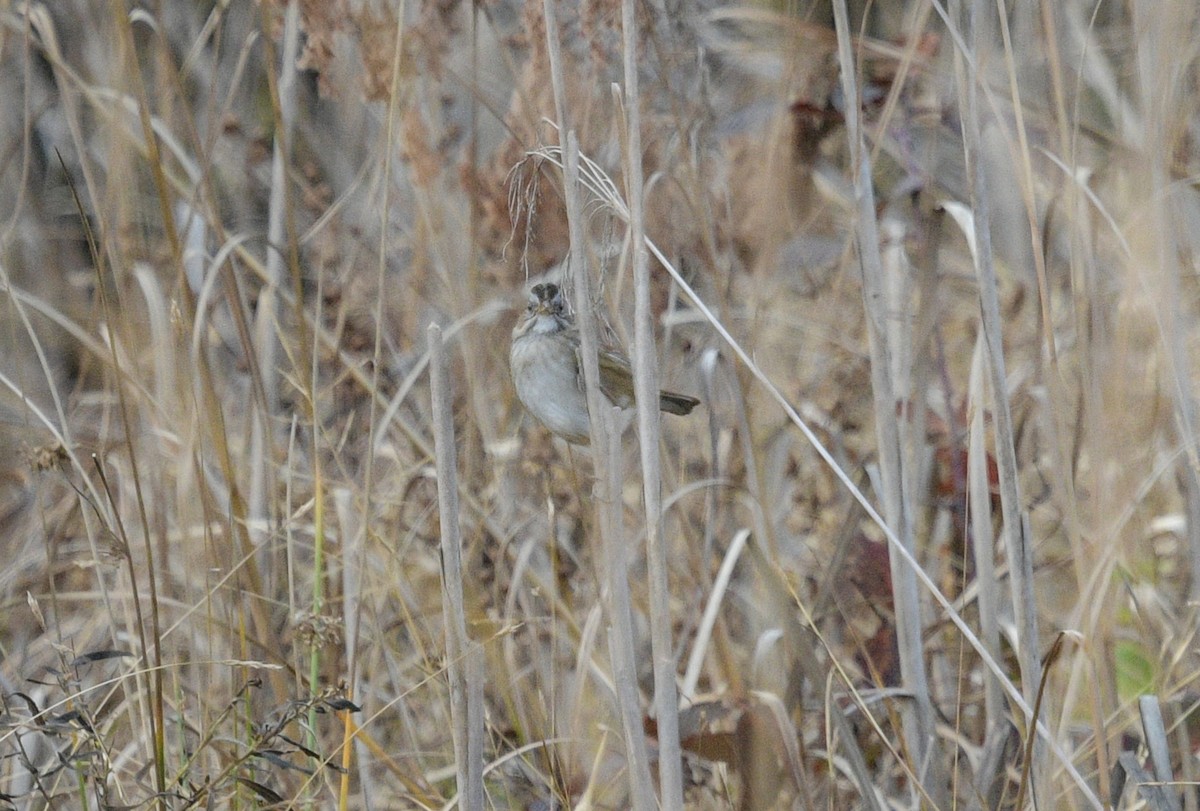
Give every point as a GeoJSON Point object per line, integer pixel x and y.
{"type": "Point", "coordinates": [919, 725]}
{"type": "Point", "coordinates": [645, 369]}
{"type": "Point", "coordinates": [468, 753]}
{"type": "Point", "coordinates": [1019, 553]}
{"type": "Point", "coordinates": [1016, 539]}
{"type": "Point", "coordinates": [620, 632]}
{"type": "Point", "coordinates": [605, 456]}
{"type": "Point", "coordinates": [266, 335]}
{"type": "Point", "coordinates": [982, 538]}
{"type": "Point", "coordinates": [605, 441]}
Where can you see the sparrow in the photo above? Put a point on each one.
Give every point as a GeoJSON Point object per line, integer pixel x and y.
{"type": "Point", "coordinates": [547, 369]}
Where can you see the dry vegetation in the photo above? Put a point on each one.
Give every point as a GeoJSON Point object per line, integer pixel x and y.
{"type": "Point", "coordinates": [225, 228]}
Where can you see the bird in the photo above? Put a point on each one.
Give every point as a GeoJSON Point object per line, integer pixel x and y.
{"type": "Point", "coordinates": [547, 369]}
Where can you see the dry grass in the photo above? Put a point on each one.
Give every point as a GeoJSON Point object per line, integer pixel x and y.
{"type": "Point", "coordinates": [971, 306]}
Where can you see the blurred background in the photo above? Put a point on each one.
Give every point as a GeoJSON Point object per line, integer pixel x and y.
{"type": "Point", "coordinates": [225, 227]}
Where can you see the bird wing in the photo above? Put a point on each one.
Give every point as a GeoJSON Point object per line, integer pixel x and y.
{"type": "Point", "coordinates": [616, 376]}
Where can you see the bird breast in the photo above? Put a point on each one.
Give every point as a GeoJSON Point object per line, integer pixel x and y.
{"type": "Point", "coordinates": [546, 377]}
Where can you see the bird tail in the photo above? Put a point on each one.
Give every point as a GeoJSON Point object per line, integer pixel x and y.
{"type": "Point", "coordinates": [673, 403]}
